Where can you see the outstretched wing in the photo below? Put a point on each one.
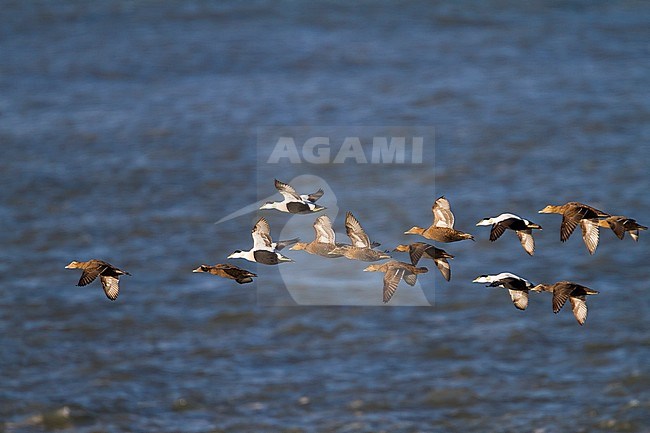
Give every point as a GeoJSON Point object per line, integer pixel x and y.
{"type": "Point", "coordinates": [262, 235]}
{"type": "Point", "coordinates": [579, 307]}
{"type": "Point", "coordinates": [497, 230]}
{"type": "Point", "coordinates": [590, 234]}
{"type": "Point", "coordinates": [442, 215]}
{"type": "Point", "coordinates": [391, 280]}
{"type": "Point", "coordinates": [89, 274]}
{"type": "Point", "coordinates": [519, 298]}
{"type": "Point", "coordinates": [324, 232]}
{"type": "Point", "coordinates": [287, 191]}
{"type": "Point", "coordinates": [527, 241]}
{"type": "Point", "coordinates": [111, 286]}
{"type": "Point", "coordinates": [355, 232]}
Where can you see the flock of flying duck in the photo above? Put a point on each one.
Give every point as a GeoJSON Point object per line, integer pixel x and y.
{"type": "Point", "coordinates": [267, 252]}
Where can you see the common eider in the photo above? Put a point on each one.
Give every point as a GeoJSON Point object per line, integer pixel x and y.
{"type": "Point", "coordinates": [324, 241]}
{"type": "Point", "coordinates": [361, 248]}
{"type": "Point", "coordinates": [621, 224]}
{"type": "Point", "coordinates": [574, 213]}
{"type": "Point", "coordinates": [418, 250]}
{"type": "Point", "coordinates": [293, 202]}
{"type": "Point", "coordinates": [442, 229]}
{"type": "Point", "coordinates": [564, 290]}
{"type": "Point", "coordinates": [264, 250]}
{"type": "Point", "coordinates": [229, 271]}
{"type": "Point", "coordinates": [108, 275]}
{"type": "Point", "coordinates": [517, 287]}
{"type": "Point", "coordinates": [521, 226]}
{"type": "Point", "coordinates": [395, 271]}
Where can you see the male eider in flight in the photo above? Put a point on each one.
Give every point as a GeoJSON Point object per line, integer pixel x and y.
{"type": "Point", "coordinates": [227, 270]}
{"type": "Point", "coordinates": [564, 290]}
{"type": "Point", "coordinates": [361, 248]}
{"type": "Point", "coordinates": [521, 226]}
{"type": "Point", "coordinates": [293, 202]}
{"type": "Point", "coordinates": [442, 229]}
{"type": "Point", "coordinates": [324, 241]}
{"type": "Point", "coordinates": [395, 271]}
{"type": "Point", "coordinates": [574, 213]}
{"type": "Point", "coordinates": [107, 273]}
{"type": "Point", "coordinates": [621, 224]}
{"type": "Point", "coordinates": [517, 287]}
{"type": "Point", "coordinates": [418, 250]}
{"type": "Point", "coordinates": [264, 250]}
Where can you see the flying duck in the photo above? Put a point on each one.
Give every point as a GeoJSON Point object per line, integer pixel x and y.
{"type": "Point", "coordinates": [108, 275]}
{"type": "Point", "coordinates": [521, 226]}
{"type": "Point", "coordinates": [395, 271]}
{"type": "Point", "coordinates": [517, 287]}
{"type": "Point", "coordinates": [442, 229]}
{"type": "Point", "coordinates": [324, 241]}
{"type": "Point", "coordinates": [574, 213]}
{"type": "Point", "coordinates": [361, 248]}
{"type": "Point", "coordinates": [418, 250]}
{"type": "Point", "coordinates": [621, 224]}
{"type": "Point", "coordinates": [264, 250]}
{"type": "Point", "coordinates": [293, 202]}
{"type": "Point", "coordinates": [564, 290]}
{"type": "Point", "coordinates": [232, 272]}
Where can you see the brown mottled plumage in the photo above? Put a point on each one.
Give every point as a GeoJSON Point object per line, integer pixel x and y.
{"type": "Point", "coordinates": [229, 271]}
{"type": "Point", "coordinates": [107, 273]}
{"type": "Point", "coordinates": [361, 248]}
{"type": "Point", "coordinates": [418, 250]}
{"type": "Point", "coordinates": [574, 213]}
{"type": "Point", "coordinates": [442, 229]}
{"type": "Point", "coordinates": [564, 290]}
{"type": "Point", "coordinates": [621, 224]}
{"type": "Point", "coordinates": [395, 271]}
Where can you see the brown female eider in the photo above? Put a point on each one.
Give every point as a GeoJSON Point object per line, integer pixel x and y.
{"type": "Point", "coordinates": [418, 250]}
{"type": "Point", "coordinates": [108, 275]}
{"type": "Point", "coordinates": [521, 226]}
{"type": "Point", "coordinates": [564, 290]}
{"type": "Point", "coordinates": [264, 250]}
{"type": "Point", "coordinates": [395, 271]}
{"type": "Point", "coordinates": [293, 202]}
{"type": "Point", "coordinates": [232, 272]}
{"type": "Point", "coordinates": [621, 224]}
{"type": "Point", "coordinates": [324, 241]}
{"type": "Point", "coordinates": [361, 248]}
{"type": "Point", "coordinates": [442, 229]}
{"type": "Point", "coordinates": [574, 213]}
{"type": "Point", "coordinates": [517, 287]}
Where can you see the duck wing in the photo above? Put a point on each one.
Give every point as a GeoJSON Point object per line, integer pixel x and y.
{"type": "Point", "coordinates": [323, 229]}
{"type": "Point", "coordinates": [444, 268]}
{"type": "Point", "coordinates": [527, 241]}
{"type": "Point", "coordinates": [314, 196]}
{"type": "Point", "coordinates": [287, 191]}
{"type": "Point", "coordinates": [590, 234]}
{"type": "Point", "coordinates": [111, 286]}
{"type": "Point", "coordinates": [391, 279]}
{"type": "Point", "coordinates": [561, 292]}
{"type": "Point", "coordinates": [417, 249]}
{"type": "Point", "coordinates": [442, 215]}
{"type": "Point", "coordinates": [579, 307]}
{"type": "Point", "coordinates": [519, 298]}
{"type": "Point", "coordinates": [90, 273]}
{"type": "Point", "coordinates": [355, 232]}
{"type": "Point", "coordinates": [262, 235]}
{"type": "Point", "coordinates": [497, 230]}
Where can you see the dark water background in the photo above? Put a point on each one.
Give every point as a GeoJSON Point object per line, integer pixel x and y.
{"type": "Point", "coordinates": [128, 128]}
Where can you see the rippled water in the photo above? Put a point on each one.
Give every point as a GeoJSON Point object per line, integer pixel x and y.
{"type": "Point", "coordinates": [129, 129]}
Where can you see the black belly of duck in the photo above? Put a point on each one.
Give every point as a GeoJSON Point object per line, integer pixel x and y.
{"type": "Point", "coordinates": [266, 257]}
{"type": "Point", "coordinates": [298, 207]}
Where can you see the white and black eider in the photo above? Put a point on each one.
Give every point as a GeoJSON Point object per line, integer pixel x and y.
{"type": "Point", "coordinates": [517, 287]}
{"type": "Point", "coordinates": [264, 250]}
{"type": "Point", "coordinates": [521, 226]}
{"type": "Point", "coordinates": [293, 202]}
